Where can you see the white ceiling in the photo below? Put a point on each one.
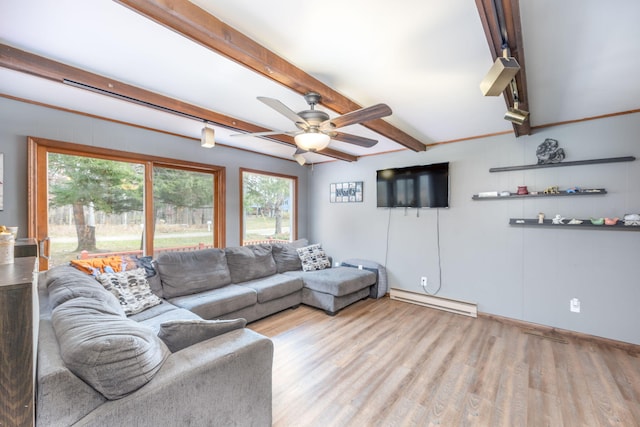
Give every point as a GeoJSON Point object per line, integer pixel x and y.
{"type": "Point", "coordinates": [424, 58]}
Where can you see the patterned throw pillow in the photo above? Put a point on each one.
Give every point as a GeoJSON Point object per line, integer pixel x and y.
{"type": "Point", "coordinates": [313, 257]}
{"type": "Point", "coordinates": [131, 288]}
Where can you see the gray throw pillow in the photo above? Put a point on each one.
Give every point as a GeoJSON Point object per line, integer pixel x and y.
{"type": "Point", "coordinates": [112, 354]}
{"type": "Point", "coordinates": [179, 334]}
{"type": "Point", "coordinates": [250, 262]}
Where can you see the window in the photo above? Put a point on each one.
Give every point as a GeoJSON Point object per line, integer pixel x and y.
{"type": "Point", "coordinates": [182, 209]}
{"type": "Point", "coordinates": [90, 202]}
{"type": "Point", "coordinates": [269, 207]}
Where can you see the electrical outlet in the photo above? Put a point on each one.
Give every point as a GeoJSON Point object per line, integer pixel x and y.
{"type": "Point", "coordinates": [574, 305]}
{"type": "Point", "coordinates": [423, 281]}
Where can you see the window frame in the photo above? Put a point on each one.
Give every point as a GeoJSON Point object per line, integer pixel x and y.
{"type": "Point", "coordinates": [38, 148]}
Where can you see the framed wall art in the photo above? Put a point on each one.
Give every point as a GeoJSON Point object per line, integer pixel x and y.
{"type": "Point", "coordinates": [345, 192]}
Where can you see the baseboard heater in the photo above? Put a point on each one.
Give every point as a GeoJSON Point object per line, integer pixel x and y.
{"type": "Point", "coordinates": [440, 303]}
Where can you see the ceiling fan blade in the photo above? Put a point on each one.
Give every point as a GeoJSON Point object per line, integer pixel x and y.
{"type": "Point", "coordinates": [284, 110]}
{"type": "Point", "coordinates": [354, 139]}
{"type": "Point", "coordinates": [299, 151]}
{"type": "Point", "coordinates": [359, 116]}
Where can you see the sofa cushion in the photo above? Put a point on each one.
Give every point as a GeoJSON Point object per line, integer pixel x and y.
{"type": "Point", "coordinates": [217, 302]}
{"type": "Point", "coordinates": [131, 288]}
{"type": "Point", "coordinates": [179, 334]}
{"type": "Point", "coordinates": [286, 256]}
{"type": "Point", "coordinates": [114, 355]}
{"type": "Point", "coordinates": [65, 283]}
{"type": "Point", "coordinates": [250, 262]}
{"type": "Point", "coordinates": [185, 273]}
{"type": "Point", "coordinates": [274, 287]}
{"type": "Point", "coordinates": [337, 281]}
{"type": "Point", "coordinates": [313, 257]}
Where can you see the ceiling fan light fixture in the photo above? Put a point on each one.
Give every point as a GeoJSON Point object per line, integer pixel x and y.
{"type": "Point", "coordinates": [208, 137]}
{"type": "Point", "coordinates": [312, 141]}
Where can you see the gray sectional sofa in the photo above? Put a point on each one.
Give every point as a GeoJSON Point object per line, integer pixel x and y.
{"type": "Point", "coordinates": [183, 357]}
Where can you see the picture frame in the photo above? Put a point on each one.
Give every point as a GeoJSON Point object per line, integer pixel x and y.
{"type": "Point", "coordinates": [346, 192]}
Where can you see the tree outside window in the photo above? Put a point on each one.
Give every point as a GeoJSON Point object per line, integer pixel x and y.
{"type": "Point", "coordinates": [268, 207]}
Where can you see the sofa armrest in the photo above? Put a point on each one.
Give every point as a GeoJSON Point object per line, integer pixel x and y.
{"type": "Point", "coordinates": [222, 381]}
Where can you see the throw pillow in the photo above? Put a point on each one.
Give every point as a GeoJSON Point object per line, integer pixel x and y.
{"type": "Point", "coordinates": [179, 334]}
{"type": "Point", "coordinates": [96, 266]}
{"type": "Point", "coordinates": [131, 288]}
{"type": "Point", "coordinates": [313, 257]}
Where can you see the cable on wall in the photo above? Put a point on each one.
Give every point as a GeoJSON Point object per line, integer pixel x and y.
{"type": "Point", "coordinates": [386, 249]}
{"type": "Point", "coordinates": [439, 257]}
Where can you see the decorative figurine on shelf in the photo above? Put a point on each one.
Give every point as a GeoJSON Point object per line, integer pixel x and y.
{"type": "Point", "coordinates": [611, 221]}
{"type": "Point", "coordinates": [632, 219]}
{"type": "Point", "coordinates": [541, 218]}
{"type": "Point", "coordinates": [575, 221]}
{"type": "Point", "coordinates": [549, 152]}
{"type": "Point", "coordinates": [597, 221]}
{"type": "Point", "coordinates": [558, 219]}
{"type": "Point", "coordinates": [552, 190]}
{"type": "Point", "coordinates": [522, 190]}
{"type": "Point", "coordinates": [573, 190]}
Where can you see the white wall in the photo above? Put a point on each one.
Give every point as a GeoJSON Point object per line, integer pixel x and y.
{"type": "Point", "coordinates": [521, 273]}
{"type": "Point", "coordinates": [19, 120]}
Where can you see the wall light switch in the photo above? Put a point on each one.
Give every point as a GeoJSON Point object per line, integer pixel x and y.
{"type": "Point", "coordinates": [574, 305]}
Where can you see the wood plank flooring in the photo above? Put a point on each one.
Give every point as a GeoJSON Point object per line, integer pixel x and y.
{"type": "Point", "coordinates": [390, 363]}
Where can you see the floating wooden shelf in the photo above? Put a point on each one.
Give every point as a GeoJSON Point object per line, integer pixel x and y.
{"type": "Point", "coordinates": [557, 165]}
{"type": "Point", "coordinates": [599, 191]}
{"type": "Point", "coordinates": [547, 223]}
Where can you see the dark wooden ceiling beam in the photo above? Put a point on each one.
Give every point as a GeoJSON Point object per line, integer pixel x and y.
{"type": "Point", "coordinates": [511, 8]}
{"type": "Point", "coordinates": [30, 63]}
{"type": "Point", "coordinates": [198, 25]}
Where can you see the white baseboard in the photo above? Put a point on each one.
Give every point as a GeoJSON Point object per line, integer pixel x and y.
{"type": "Point", "coordinates": [440, 303]}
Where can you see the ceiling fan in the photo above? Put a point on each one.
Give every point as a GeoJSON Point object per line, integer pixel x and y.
{"type": "Point", "coordinates": [316, 129]}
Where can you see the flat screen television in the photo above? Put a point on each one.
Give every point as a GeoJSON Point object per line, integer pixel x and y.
{"type": "Point", "coordinates": [425, 186]}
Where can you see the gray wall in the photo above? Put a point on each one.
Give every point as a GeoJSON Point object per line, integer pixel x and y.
{"type": "Point", "coordinates": [522, 273]}
{"type": "Point", "coordinates": [19, 120]}
{"type": "Point", "coordinates": [527, 274]}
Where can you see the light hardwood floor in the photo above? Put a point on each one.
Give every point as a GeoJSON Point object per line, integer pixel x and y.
{"type": "Point", "coordinates": [389, 363]}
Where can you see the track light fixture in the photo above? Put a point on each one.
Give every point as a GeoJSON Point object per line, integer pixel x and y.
{"type": "Point", "coordinates": [514, 114]}
{"type": "Point", "coordinates": [208, 137]}
{"type": "Point", "coordinates": [501, 73]}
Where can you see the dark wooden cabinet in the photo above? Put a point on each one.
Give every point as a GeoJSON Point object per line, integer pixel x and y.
{"type": "Point", "coordinates": [25, 247]}
{"type": "Point", "coordinates": [17, 297]}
